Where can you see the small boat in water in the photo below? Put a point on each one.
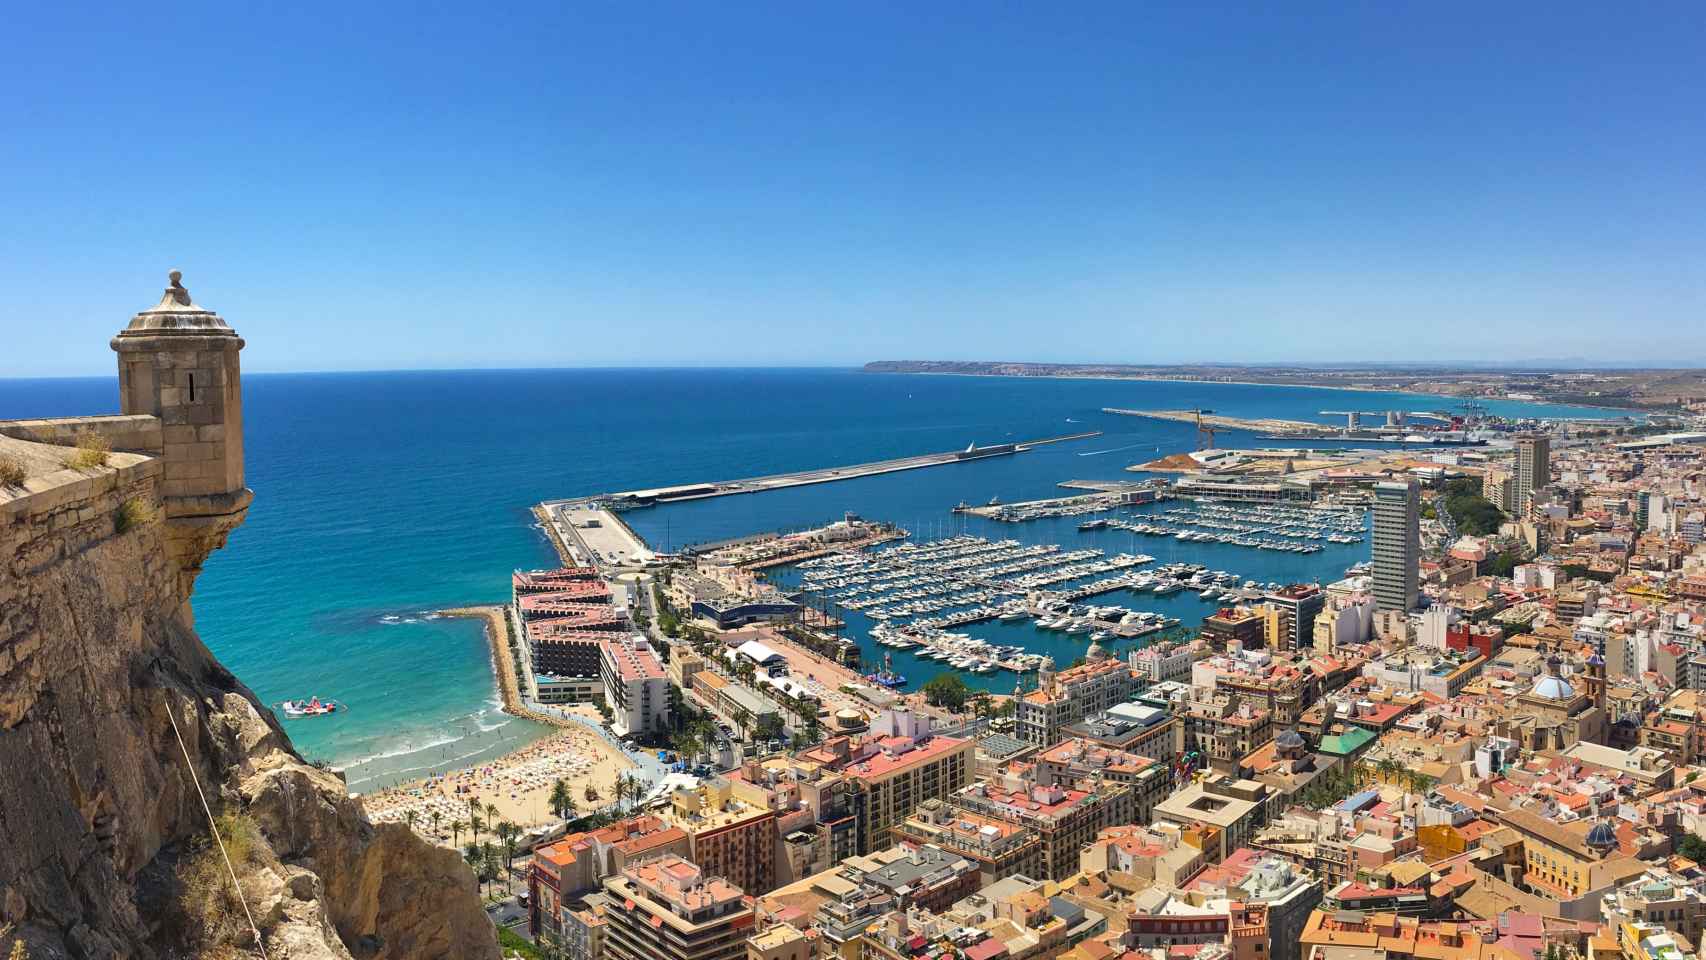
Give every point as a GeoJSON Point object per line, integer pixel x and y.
{"type": "Point", "coordinates": [311, 707]}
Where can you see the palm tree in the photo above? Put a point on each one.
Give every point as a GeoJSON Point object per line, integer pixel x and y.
{"type": "Point", "coordinates": [410, 817]}
{"type": "Point", "coordinates": [507, 833]}
{"type": "Point", "coordinates": [561, 802]}
{"type": "Point", "coordinates": [434, 817]}
{"type": "Point", "coordinates": [687, 745]}
{"type": "Point", "coordinates": [476, 823]}
{"type": "Point", "coordinates": [488, 857]}
{"type": "Point", "coordinates": [472, 854]}
{"type": "Point", "coordinates": [491, 813]}
{"type": "Point", "coordinates": [456, 828]}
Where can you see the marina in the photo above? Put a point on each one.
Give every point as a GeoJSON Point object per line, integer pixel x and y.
{"type": "Point", "coordinates": [990, 605]}
{"type": "Point", "coordinates": [918, 594]}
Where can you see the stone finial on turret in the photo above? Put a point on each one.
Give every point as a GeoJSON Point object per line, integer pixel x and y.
{"type": "Point", "coordinates": [177, 314]}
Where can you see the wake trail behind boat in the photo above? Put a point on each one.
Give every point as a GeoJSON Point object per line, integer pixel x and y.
{"type": "Point", "coordinates": [1097, 453]}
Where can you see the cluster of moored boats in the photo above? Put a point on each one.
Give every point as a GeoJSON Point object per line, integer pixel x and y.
{"type": "Point", "coordinates": [1258, 526]}
{"type": "Point", "coordinates": [1049, 509]}
{"type": "Point", "coordinates": [916, 580]}
{"type": "Point", "coordinates": [920, 592]}
{"type": "Point", "coordinates": [958, 650]}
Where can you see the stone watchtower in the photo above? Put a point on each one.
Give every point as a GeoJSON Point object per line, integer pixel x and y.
{"type": "Point", "coordinates": [178, 362]}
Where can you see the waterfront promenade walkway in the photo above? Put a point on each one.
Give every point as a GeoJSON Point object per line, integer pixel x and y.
{"type": "Point", "coordinates": [649, 768]}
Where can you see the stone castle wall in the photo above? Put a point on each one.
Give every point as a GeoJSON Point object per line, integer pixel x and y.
{"type": "Point", "coordinates": [98, 800]}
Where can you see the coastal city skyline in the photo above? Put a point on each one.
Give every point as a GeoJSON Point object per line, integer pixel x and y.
{"type": "Point", "coordinates": [919, 661]}
{"type": "Point", "coordinates": [1110, 481]}
{"type": "Point", "coordinates": [571, 187]}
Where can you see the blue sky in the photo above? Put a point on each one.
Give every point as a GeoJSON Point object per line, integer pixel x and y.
{"type": "Point", "coordinates": [366, 186]}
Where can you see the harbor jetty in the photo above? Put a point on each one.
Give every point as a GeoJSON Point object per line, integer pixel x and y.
{"type": "Point", "coordinates": [1259, 424]}
{"type": "Point", "coordinates": [780, 481]}
{"type": "Point", "coordinates": [503, 664]}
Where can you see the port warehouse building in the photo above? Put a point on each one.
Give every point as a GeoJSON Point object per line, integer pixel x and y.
{"type": "Point", "coordinates": [1301, 487]}
{"type": "Point", "coordinates": [713, 600]}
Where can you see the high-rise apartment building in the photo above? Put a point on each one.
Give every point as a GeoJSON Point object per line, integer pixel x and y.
{"type": "Point", "coordinates": [1397, 544]}
{"type": "Point", "coordinates": [1300, 603]}
{"type": "Point", "coordinates": [667, 909]}
{"type": "Point", "coordinates": [1533, 470]}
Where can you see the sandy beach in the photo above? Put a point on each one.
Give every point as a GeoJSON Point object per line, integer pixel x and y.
{"type": "Point", "coordinates": [518, 785]}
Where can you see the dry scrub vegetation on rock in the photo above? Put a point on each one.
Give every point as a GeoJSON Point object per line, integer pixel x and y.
{"type": "Point", "coordinates": [209, 914]}
{"type": "Point", "coordinates": [92, 450]}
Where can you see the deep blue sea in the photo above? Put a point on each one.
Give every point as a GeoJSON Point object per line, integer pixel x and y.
{"type": "Point", "coordinates": [380, 497]}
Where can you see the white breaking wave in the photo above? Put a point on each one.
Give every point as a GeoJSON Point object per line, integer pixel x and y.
{"type": "Point", "coordinates": [397, 752]}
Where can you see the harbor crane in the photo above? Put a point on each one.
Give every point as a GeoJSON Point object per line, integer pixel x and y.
{"type": "Point", "coordinates": [1205, 431]}
{"type": "Point", "coordinates": [1353, 418]}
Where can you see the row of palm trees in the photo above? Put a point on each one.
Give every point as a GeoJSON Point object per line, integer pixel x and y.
{"type": "Point", "coordinates": [1390, 771]}
{"type": "Point", "coordinates": [695, 739]}
{"type": "Point", "coordinates": [479, 817]}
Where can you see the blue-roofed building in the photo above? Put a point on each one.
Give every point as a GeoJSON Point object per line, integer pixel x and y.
{"type": "Point", "coordinates": [1358, 801]}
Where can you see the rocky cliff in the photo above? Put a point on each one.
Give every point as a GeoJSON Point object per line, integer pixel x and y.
{"type": "Point", "coordinates": [111, 712]}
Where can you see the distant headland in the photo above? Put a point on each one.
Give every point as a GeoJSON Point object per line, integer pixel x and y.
{"type": "Point", "coordinates": [1622, 388]}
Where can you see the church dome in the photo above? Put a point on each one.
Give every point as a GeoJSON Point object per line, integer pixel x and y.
{"type": "Point", "coordinates": [1289, 740]}
{"type": "Point", "coordinates": [1553, 687]}
{"type": "Point", "coordinates": [1095, 654]}
{"type": "Point", "coordinates": [1602, 835]}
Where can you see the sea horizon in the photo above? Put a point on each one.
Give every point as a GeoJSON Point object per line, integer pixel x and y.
{"type": "Point", "coordinates": [383, 497]}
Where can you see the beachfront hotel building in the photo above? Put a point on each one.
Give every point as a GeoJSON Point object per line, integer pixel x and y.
{"type": "Point", "coordinates": [1397, 544]}
{"type": "Point", "coordinates": [636, 689]}
{"type": "Point", "coordinates": [669, 909]}
{"type": "Point", "coordinates": [1069, 696]}
{"type": "Point", "coordinates": [564, 616]}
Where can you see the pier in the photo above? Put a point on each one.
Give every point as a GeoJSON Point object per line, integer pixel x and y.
{"type": "Point", "coordinates": [781, 481]}
{"type": "Point", "coordinates": [1260, 425]}
{"type": "Point", "coordinates": [1106, 486]}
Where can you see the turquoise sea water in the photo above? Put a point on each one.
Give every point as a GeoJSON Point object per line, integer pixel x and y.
{"type": "Point", "coordinates": [382, 497]}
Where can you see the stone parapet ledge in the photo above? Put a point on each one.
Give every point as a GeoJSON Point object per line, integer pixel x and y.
{"type": "Point", "coordinates": [49, 485]}
{"type": "Point", "coordinates": [128, 433]}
